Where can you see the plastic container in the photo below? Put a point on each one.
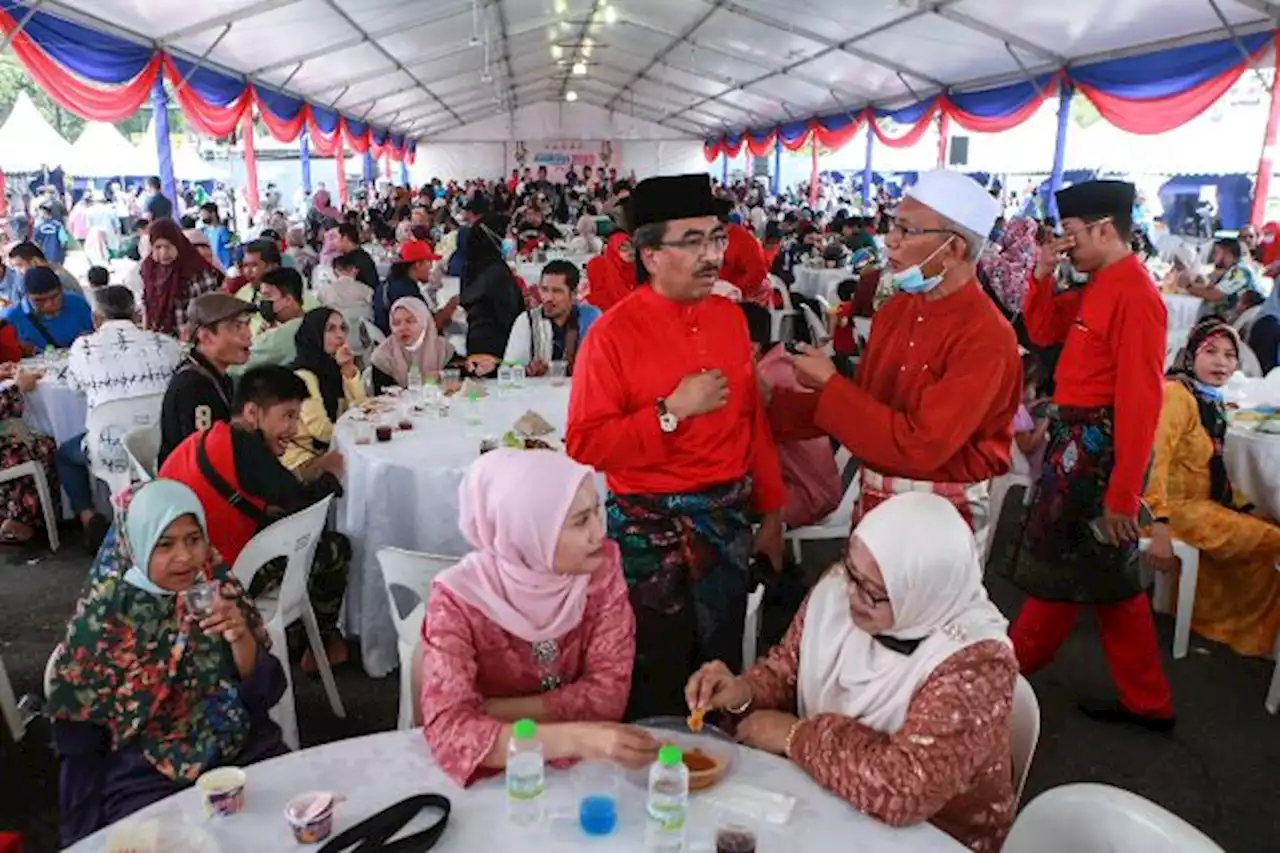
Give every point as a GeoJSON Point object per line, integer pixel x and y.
{"type": "Point", "coordinates": [517, 375]}
{"type": "Point", "coordinates": [222, 791]}
{"type": "Point", "coordinates": [506, 379]}
{"type": "Point", "coordinates": [414, 380]}
{"type": "Point", "coordinates": [310, 816]}
{"type": "Point", "coordinates": [526, 774]}
{"type": "Point", "coordinates": [668, 804]}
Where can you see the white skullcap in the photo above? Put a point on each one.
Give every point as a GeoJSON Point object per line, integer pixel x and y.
{"type": "Point", "coordinates": [959, 198]}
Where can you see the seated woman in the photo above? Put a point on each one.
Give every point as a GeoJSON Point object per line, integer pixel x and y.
{"type": "Point", "coordinates": [534, 623]}
{"type": "Point", "coordinates": [414, 342]}
{"type": "Point", "coordinates": [19, 500]}
{"type": "Point", "coordinates": [1238, 588]}
{"type": "Point", "coordinates": [327, 366]}
{"type": "Point", "coordinates": [902, 675]}
{"type": "Point", "coordinates": [128, 731]}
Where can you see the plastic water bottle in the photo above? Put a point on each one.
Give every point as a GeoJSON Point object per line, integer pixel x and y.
{"type": "Point", "coordinates": [505, 378]}
{"type": "Point", "coordinates": [517, 375]}
{"type": "Point", "coordinates": [668, 801]}
{"type": "Point", "coordinates": [526, 774]}
{"type": "Point", "coordinates": [472, 416]}
{"type": "Point", "coordinates": [415, 378]}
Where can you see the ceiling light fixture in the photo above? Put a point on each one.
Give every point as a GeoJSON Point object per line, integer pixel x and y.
{"type": "Point", "coordinates": [571, 96]}
{"type": "Point", "coordinates": [579, 69]}
{"type": "Point", "coordinates": [610, 15]}
{"type": "Point", "coordinates": [557, 52]}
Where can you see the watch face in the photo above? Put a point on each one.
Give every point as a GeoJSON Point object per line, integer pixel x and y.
{"type": "Point", "coordinates": [667, 422]}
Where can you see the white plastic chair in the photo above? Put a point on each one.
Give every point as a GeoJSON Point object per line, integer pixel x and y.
{"type": "Point", "coordinates": [104, 436]}
{"type": "Point", "coordinates": [1024, 734]}
{"type": "Point", "coordinates": [779, 332]}
{"type": "Point", "coordinates": [412, 571]}
{"type": "Point", "coordinates": [142, 447]}
{"type": "Point", "coordinates": [999, 490]}
{"type": "Point", "coordinates": [751, 626]}
{"type": "Point", "coordinates": [817, 329]}
{"type": "Point", "coordinates": [1086, 817]}
{"type": "Point", "coordinates": [1245, 321]}
{"type": "Point", "coordinates": [1174, 341]}
{"type": "Point", "coordinates": [35, 471]}
{"type": "Point", "coordinates": [369, 335]}
{"type": "Point", "coordinates": [1249, 364]}
{"type": "Point", "coordinates": [296, 538]}
{"type": "Point", "coordinates": [1187, 576]}
{"type": "Point", "coordinates": [835, 525]}
{"type": "Point", "coordinates": [9, 706]}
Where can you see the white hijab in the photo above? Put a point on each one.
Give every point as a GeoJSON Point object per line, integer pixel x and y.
{"type": "Point", "coordinates": [933, 578]}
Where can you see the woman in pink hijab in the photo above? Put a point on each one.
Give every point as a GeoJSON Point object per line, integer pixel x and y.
{"type": "Point", "coordinates": [534, 623]}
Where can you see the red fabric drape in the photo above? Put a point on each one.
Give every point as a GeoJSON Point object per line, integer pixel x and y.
{"type": "Point", "coordinates": [711, 150]}
{"type": "Point", "coordinates": [912, 136]}
{"type": "Point", "coordinates": [209, 119]}
{"type": "Point", "coordinates": [835, 139]}
{"type": "Point", "coordinates": [342, 168]}
{"type": "Point", "coordinates": [762, 149]}
{"type": "Point", "coordinates": [1258, 210]}
{"type": "Point", "coordinates": [979, 124]}
{"type": "Point", "coordinates": [282, 130]}
{"type": "Point", "coordinates": [84, 99]}
{"type": "Point", "coordinates": [250, 162]}
{"type": "Point", "coordinates": [358, 143]}
{"type": "Point", "coordinates": [1165, 114]}
{"type": "Point", "coordinates": [944, 136]}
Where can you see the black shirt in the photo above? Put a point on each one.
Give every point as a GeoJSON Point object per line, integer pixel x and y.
{"type": "Point", "coordinates": [197, 397]}
{"type": "Point", "coordinates": [261, 475]}
{"type": "Point", "coordinates": [366, 269]}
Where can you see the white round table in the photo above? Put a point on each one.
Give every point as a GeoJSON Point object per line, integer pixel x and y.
{"type": "Point", "coordinates": [404, 494]}
{"type": "Point", "coordinates": [1253, 467]}
{"type": "Point", "coordinates": [1182, 310]}
{"type": "Point", "coordinates": [377, 771]}
{"type": "Point", "coordinates": [55, 408]}
{"type": "Point", "coordinates": [815, 281]}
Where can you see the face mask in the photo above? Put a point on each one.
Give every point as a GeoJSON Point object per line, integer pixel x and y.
{"type": "Point", "coordinates": [417, 344]}
{"type": "Point", "coordinates": [912, 280]}
{"type": "Point", "coordinates": [268, 310]}
{"type": "Point", "coordinates": [1213, 392]}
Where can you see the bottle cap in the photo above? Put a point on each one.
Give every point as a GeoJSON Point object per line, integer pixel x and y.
{"type": "Point", "coordinates": [670, 755]}
{"type": "Point", "coordinates": [524, 730]}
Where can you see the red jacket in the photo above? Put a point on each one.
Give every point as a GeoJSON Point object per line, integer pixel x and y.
{"type": "Point", "coordinates": [229, 528]}
{"type": "Point", "coordinates": [744, 264]}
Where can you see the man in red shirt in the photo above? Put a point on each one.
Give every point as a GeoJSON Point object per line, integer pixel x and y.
{"type": "Point", "coordinates": [665, 403]}
{"type": "Point", "coordinates": [932, 405]}
{"type": "Point", "coordinates": [1080, 544]}
{"type": "Point", "coordinates": [744, 265]}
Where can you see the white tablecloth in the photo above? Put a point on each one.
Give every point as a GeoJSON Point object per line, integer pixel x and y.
{"type": "Point", "coordinates": [813, 282]}
{"type": "Point", "coordinates": [404, 494]}
{"type": "Point", "coordinates": [1182, 309]}
{"type": "Point", "coordinates": [55, 409]}
{"type": "Point", "coordinates": [377, 771]}
{"type": "Point", "coordinates": [1253, 466]}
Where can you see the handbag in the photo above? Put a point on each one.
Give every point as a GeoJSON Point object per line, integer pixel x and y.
{"type": "Point", "coordinates": [374, 833]}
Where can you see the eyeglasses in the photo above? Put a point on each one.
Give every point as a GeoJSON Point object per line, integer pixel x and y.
{"type": "Point", "coordinates": [697, 243]}
{"type": "Point", "coordinates": [898, 229]}
{"type": "Point", "coordinates": [851, 574]}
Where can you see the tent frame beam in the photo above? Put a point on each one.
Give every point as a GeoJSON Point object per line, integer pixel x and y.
{"type": "Point", "coordinates": [259, 8]}
{"type": "Point", "coordinates": [688, 32]}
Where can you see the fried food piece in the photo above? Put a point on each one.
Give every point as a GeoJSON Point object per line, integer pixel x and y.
{"type": "Point", "coordinates": [695, 720]}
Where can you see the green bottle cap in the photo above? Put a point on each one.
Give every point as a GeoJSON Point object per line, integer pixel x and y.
{"type": "Point", "coordinates": [525, 730]}
{"type": "Point", "coordinates": [670, 755]}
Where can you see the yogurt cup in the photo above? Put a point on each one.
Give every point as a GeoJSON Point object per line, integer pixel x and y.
{"type": "Point", "coordinates": [310, 816]}
{"type": "Point", "coordinates": [222, 791]}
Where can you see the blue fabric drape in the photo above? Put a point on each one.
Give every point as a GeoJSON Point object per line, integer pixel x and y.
{"type": "Point", "coordinates": [997, 103]}
{"type": "Point", "coordinates": [404, 173]}
{"type": "Point", "coordinates": [95, 56]}
{"type": "Point", "coordinates": [213, 87]}
{"type": "Point", "coordinates": [282, 106]}
{"type": "Point", "coordinates": [326, 120]}
{"type": "Point", "coordinates": [1060, 147]}
{"type": "Point", "coordinates": [367, 173]}
{"type": "Point", "coordinates": [160, 103]}
{"type": "Point", "coordinates": [304, 160]}
{"type": "Point", "coordinates": [1166, 72]}
{"type": "Point", "coordinates": [724, 168]}
{"type": "Point", "coordinates": [908, 115]}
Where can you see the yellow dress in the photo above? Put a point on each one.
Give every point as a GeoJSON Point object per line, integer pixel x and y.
{"type": "Point", "coordinates": [314, 424]}
{"type": "Point", "coordinates": [1238, 589]}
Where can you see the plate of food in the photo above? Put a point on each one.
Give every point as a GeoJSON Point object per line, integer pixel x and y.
{"type": "Point", "coordinates": [160, 836]}
{"type": "Point", "coordinates": [708, 751]}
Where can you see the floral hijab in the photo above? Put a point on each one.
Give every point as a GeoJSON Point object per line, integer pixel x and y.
{"type": "Point", "coordinates": [1213, 413]}
{"type": "Point", "coordinates": [1007, 262]}
{"type": "Point", "coordinates": [133, 665]}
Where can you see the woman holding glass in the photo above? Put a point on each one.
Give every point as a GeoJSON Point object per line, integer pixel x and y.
{"type": "Point", "coordinates": [164, 672]}
{"type": "Point", "coordinates": [893, 688]}
{"type": "Point", "coordinates": [414, 343]}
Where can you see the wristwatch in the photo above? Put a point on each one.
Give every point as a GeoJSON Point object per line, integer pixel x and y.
{"type": "Point", "coordinates": [667, 422]}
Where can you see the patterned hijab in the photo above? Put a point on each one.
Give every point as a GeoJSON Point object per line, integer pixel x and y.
{"type": "Point", "coordinates": [1213, 414]}
{"type": "Point", "coordinates": [1007, 262]}
{"type": "Point", "coordinates": [133, 665]}
{"type": "Point", "coordinates": [163, 285]}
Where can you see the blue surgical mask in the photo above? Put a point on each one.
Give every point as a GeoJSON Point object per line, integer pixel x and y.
{"type": "Point", "coordinates": [912, 280]}
{"type": "Point", "coordinates": [1212, 392]}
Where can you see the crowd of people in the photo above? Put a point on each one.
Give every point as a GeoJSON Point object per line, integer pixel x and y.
{"type": "Point", "coordinates": [996, 342]}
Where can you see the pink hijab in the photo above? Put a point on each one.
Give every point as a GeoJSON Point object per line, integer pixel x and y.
{"type": "Point", "coordinates": [509, 576]}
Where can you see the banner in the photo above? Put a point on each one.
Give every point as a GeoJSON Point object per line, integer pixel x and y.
{"type": "Point", "coordinates": [559, 154]}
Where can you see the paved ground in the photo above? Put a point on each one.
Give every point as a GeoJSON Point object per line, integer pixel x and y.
{"type": "Point", "coordinates": [1218, 770]}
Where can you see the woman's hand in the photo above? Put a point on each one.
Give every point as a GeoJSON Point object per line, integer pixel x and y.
{"type": "Point", "coordinates": [535, 368]}
{"type": "Point", "coordinates": [713, 687]}
{"type": "Point", "coordinates": [1160, 555]}
{"type": "Point", "coordinates": [346, 360]}
{"type": "Point", "coordinates": [226, 619]}
{"type": "Point", "coordinates": [481, 364]}
{"type": "Point", "coordinates": [9, 370]}
{"type": "Point", "coordinates": [767, 730]}
{"type": "Point", "coordinates": [627, 746]}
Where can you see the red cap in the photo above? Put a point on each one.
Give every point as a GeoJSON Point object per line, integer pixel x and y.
{"type": "Point", "coordinates": [412, 251]}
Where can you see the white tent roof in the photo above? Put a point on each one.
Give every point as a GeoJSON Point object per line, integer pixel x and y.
{"type": "Point", "coordinates": [187, 162]}
{"type": "Point", "coordinates": [103, 152]}
{"type": "Point", "coordinates": [696, 67]}
{"type": "Point", "coordinates": [28, 143]}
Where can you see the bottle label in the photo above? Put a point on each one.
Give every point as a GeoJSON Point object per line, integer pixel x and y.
{"type": "Point", "coordinates": [525, 788]}
{"type": "Point", "coordinates": [668, 816]}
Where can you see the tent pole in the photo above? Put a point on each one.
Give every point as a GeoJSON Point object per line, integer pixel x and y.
{"type": "Point", "coordinates": [366, 167]}
{"type": "Point", "coordinates": [164, 154]}
{"type": "Point", "coordinates": [404, 169]}
{"type": "Point", "coordinates": [304, 160]}
{"type": "Point", "coordinates": [944, 137]}
{"type": "Point", "coordinates": [250, 163]}
{"type": "Point", "coordinates": [813, 171]}
{"type": "Point", "coordinates": [866, 167]}
{"type": "Point", "coordinates": [775, 186]}
{"type": "Point", "coordinates": [1065, 93]}
{"type": "Point", "coordinates": [1262, 182]}
{"type": "Point", "coordinates": [724, 169]}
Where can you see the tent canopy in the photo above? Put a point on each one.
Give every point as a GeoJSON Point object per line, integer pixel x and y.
{"type": "Point", "coordinates": [103, 152]}
{"type": "Point", "coordinates": [696, 67]}
{"type": "Point", "coordinates": [28, 143]}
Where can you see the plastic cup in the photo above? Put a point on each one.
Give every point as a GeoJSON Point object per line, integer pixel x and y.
{"type": "Point", "coordinates": [222, 791]}
{"type": "Point", "coordinates": [309, 825]}
{"type": "Point", "coordinates": [199, 598]}
{"type": "Point", "coordinates": [557, 371]}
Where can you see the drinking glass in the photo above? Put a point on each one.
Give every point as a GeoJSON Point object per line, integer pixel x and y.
{"type": "Point", "coordinates": [199, 598]}
{"type": "Point", "coordinates": [557, 371]}
{"type": "Point", "coordinates": [451, 379]}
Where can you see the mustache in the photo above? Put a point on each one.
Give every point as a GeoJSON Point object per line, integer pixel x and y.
{"type": "Point", "coordinates": [704, 269]}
